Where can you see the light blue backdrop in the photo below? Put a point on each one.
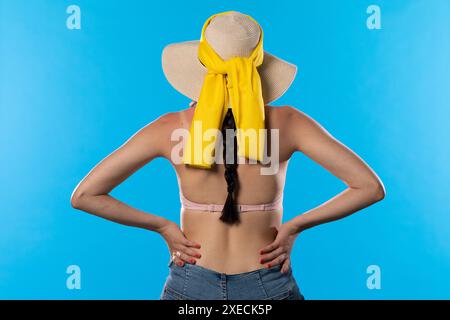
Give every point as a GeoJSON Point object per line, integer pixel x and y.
{"type": "Point", "coordinates": [70, 97]}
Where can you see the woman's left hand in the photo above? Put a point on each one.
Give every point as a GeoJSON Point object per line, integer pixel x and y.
{"type": "Point", "coordinates": [279, 251]}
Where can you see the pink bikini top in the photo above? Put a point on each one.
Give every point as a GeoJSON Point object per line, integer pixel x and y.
{"type": "Point", "coordinates": [277, 204]}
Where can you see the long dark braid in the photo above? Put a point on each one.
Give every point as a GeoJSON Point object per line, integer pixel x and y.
{"type": "Point", "coordinates": [230, 214]}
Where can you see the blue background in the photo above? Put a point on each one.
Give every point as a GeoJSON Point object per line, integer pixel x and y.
{"type": "Point", "coordinates": [68, 98]}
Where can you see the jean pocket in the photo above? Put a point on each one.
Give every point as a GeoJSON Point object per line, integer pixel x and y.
{"type": "Point", "coordinates": [285, 295]}
{"type": "Point", "coordinates": [171, 294]}
{"type": "Point", "coordinates": [168, 295]}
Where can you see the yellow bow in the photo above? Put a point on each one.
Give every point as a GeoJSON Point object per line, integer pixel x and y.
{"type": "Point", "coordinates": [236, 79]}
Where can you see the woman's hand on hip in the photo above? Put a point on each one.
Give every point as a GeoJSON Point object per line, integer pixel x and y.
{"type": "Point", "coordinates": [279, 251]}
{"type": "Point", "coordinates": [181, 249]}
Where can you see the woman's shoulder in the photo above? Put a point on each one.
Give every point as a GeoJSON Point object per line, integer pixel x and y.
{"type": "Point", "coordinates": [173, 119]}
{"type": "Point", "coordinates": [286, 114]}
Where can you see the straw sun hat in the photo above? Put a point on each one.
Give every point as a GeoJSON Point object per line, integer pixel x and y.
{"type": "Point", "coordinates": [230, 35]}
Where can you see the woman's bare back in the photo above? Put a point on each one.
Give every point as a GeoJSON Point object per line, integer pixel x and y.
{"type": "Point", "coordinates": [233, 248]}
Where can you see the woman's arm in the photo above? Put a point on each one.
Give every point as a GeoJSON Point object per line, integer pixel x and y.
{"type": "Point", "coordinates": [92, 193]}
{"type": "Point", "coordinates": [363, 185]}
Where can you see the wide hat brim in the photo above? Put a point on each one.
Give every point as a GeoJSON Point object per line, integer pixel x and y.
{"type": "Point", "coordinates": [186, 73]}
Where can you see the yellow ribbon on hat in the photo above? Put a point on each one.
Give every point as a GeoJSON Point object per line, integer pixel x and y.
{"type": "Point", "coordinates": [235, 80]}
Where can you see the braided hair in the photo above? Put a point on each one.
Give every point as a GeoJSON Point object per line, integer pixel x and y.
{"type": "Point", "coordinates": [230, 214]}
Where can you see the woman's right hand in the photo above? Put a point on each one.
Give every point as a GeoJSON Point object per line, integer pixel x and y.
{"type": "Point", "coordinates": [181, 249]}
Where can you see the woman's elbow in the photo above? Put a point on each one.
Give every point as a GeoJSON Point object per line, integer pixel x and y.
{"type": "Point", "coordinates": [376, 190]}
{"type": "Point", "coordinates": [76, 199]}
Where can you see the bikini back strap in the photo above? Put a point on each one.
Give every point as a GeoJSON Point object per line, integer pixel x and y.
{"type": "Point", "coordinates": [277, 204]}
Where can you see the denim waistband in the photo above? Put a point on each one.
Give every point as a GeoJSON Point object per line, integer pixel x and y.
{"type": "Point", "coordinates": [192, 281]}
{"type": "Point", "coordinates": [233, 276]}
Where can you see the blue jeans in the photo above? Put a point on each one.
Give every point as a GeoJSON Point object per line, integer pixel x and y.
{"type": "Point", "coordinates": [192, 282]}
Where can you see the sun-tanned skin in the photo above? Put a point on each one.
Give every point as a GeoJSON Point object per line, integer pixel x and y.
{"type": "Point", "coordinates": [260, 240]}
